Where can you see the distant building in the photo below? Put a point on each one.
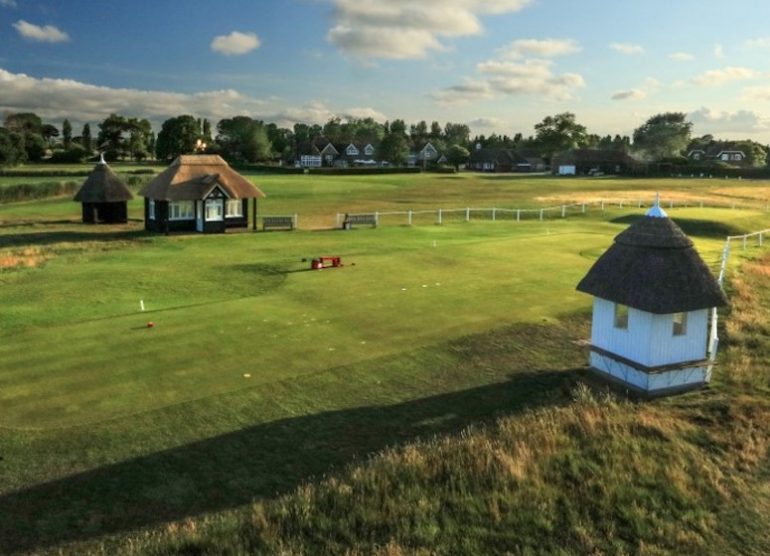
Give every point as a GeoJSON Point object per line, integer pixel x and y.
{"type": "Point", "coordinates": [198, 193]}
{"type": "Point", "coordinates": [504, 160]}
{"type": "Point", "coordinates": [104, 196]}
{"type": "Point", "coordinates": [592, 161]}
{"type": "Point", "coordinates": [652, 299]}
{"type": "Point", "coordinates": [322, 152]}
{"type": "Point", "coordinates": [722, 151]}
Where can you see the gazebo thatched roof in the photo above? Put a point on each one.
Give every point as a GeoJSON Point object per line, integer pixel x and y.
{"type": "Point", "coordinates": [653, 266]}
{"type": "Point", "coordinates": [192, 177]}
{"type": "Point", "coordinates": [103, 186]}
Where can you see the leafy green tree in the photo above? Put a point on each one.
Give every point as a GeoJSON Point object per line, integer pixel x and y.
{"type": "Point", "coordinates": [49, 133]}
{"type": "Point", "coordinates": [177, 136]}
{"type": "Point", "coordinates": [85, 138]}
{"type": "Point", "coordinates": [66, 133]}
{"type": "Point", "coordinates": [24, 122]}
{"type": "Point", "coordinates": [110, 139]}
{"type": "Point", "coordinates": [663, 135]}
{"type": "Point", "coordinates": [11, 148]}
{"type": "Point", "coordinates": [394, 148]}
{"type": "Point", "coordinates": [559, 133]}
{"type": "Point", "coordinates": [435, 131]}
{"type": "Point", "coordinates": [456, 155]}
{"type": "Point", "coordinates": [243, 139]}
{"type": "Point", "coordinates": [206, 131]}
{"type": "Point", "coordinates": [457, 134]}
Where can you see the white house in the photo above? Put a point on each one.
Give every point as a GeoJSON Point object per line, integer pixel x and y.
{"type": "Point", "coordinates": [652, 299]}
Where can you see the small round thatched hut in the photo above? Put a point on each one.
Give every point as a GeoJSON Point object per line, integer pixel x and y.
{"type": "Point", "coordinates": [104, 196]}
{"type": "Point", "coordinates": [652, 299]}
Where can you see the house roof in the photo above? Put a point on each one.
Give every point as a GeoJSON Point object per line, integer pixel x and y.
{"type": "Point", "coordinates": [103, 186]}
{"type": "Point", "coordinates": [191, 177]}
{"type": "Point", "coordinates": [653, 266]}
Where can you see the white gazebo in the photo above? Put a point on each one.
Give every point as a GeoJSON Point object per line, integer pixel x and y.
{"type": "Point", "coordinates": [653, 295]}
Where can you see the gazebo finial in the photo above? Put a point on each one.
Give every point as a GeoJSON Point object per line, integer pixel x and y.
{"type": "Point", "coordinates": [656, 211]}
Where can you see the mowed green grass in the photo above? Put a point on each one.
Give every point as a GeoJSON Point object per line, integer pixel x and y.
{"type": "Point", "coordinates": [425, 329]}
{"type": "Point", "coordinates": [229, 305]}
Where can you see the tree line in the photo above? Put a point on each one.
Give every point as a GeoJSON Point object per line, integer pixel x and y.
{"type": "Point", "coordinates": [24, 137]}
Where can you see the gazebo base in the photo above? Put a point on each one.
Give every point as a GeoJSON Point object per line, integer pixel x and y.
{"type": "Point", "coordinates": [621, 385]}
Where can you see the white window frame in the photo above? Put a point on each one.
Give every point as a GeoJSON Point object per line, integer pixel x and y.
{"type": "Point", "coordinates": [151, 209]}
{"type": "Point", "coordinates": [234, 208]}
{"type": "Point", "coordinates": [351, 150]}
{"type": "Point", "coordinates": [181, 210]}
{"type": "Point", "coordinates": [679, 324]}
{"type": "Point", "coordinates": [213, 204]}
{"type": "Point", "coordinates": [368, 150]}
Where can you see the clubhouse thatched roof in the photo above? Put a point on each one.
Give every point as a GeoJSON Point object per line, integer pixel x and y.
{"type": "Point", "coordinates": [103, 186]}
{"type": "Point", "coordinates": [653, 266]}
{"type": "Point", "coordinates": [192, 177]}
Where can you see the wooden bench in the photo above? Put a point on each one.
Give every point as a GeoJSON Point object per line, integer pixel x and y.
{"type": "Point", "coordinates": [277, 223]}
{"type": "Point", "coordinates": [359, 219]}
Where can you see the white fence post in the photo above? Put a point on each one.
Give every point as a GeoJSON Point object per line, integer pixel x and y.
{"type": "Point", "coordinates": [760, 239]}
{"type": "Point", "coordinates": [541, 214]}
{"type": "Point", "coordinates": [439, 216]}
{"type": "Point", "coordinates": [518, 215]}
{"type": "Point", "coordinates": [602, 205]}
{"type": "Point", "coordinates": [639, 204]}
{"type": "Point", "coordinates": [376, 218]}
{"type": "Point", "coordinates": [338, 219]}
{"type": "Point", "coordinates": [563, 211]}
{"type": "Point", "coordinates": [494, 214]}
{"type": "Point", "coordinates": [467, 214]}
{"type": "Point", "coordinates": [295, 219]}
{"type": "Point", "coordinates": [409, 216]}
{"type": "Point", "coordinates": [584, 208]}
{"type": "Point", "coordinates": [744, 242]}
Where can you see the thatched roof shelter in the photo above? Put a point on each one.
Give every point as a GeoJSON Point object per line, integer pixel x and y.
{"type": "Point", "coordinates": [192, 177]}
{"type": "Point", "coordinates": [103, 186]}
{"type": "Point", "coordinates": [653, 266]}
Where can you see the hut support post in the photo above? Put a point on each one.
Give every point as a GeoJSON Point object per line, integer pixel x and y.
{"type": "Point", "coordinates": [254, 212]}
{"type": "Point", "coordinates": [439, 216]}
{"type": "Point", "coordinates": [467, 215]}
{"type": "Point", "coordinates": [494, 214]}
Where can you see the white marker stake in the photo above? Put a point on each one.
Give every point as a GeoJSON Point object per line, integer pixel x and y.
{"type": "Point", "coordinates": [141, 304]}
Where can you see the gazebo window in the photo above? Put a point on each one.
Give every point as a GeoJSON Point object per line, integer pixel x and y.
{"type": "Point", "coordinates": [621, 316]}
{"type": "Point", "coordinates": [181, 210]}
{"type": "Point", "coordinates": [234, 208]}
{"type": "Point", "coordinates": [680, 324]}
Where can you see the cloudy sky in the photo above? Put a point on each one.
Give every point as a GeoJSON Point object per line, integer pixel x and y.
{"type": "Point", "coordinates": [498, 65]}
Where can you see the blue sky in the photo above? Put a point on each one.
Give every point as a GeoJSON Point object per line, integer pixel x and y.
{"type": "Point", "coordinates": [498, 65]}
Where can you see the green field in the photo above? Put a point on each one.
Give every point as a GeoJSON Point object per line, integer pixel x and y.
{"type": "Point", "coordinates": [260, 374]}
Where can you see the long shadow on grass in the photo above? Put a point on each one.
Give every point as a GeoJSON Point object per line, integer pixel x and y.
{"type": "Point", "coordinates": [260, 461]}
{"type": "Point", "coordinates": [53, 238]}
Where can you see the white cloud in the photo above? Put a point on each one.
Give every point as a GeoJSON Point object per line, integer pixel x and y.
{"type": "Point", "coordinates": [724, 75]}
{"type": "Point", "coordinates": [78, 101]}
{"type": "Point", "coordinates": [46, 33]}
{"type": "Point", "coordinates": [759, 93]}
{"type": "Point", "coordinates": [469, 91]}
{"type": "Point", "coordinates": [8, 3]}
{"type": "Point", "coordinates": [716, 122]}
{"type": "Point", "coordinates": [547, 48]}
{"type": "Point", "coordinates": [719, 52]}
{"type": "Point", "coordinates": [761, 42]}
{"type": "Point", "coordinates": [681, 56]}
{"type": "Point", "coordinates": [236, 43]}
{"type": "Point", "coordinates": [404, 29]}
{"type": "Point", "coordinates": [627, 48]}
{"type": "Point", "coordinates": [501, 77]}
{"type": "Point", "coordinates": [487, 123]}
{"type": "Point", "coordinates": [631, 94]}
